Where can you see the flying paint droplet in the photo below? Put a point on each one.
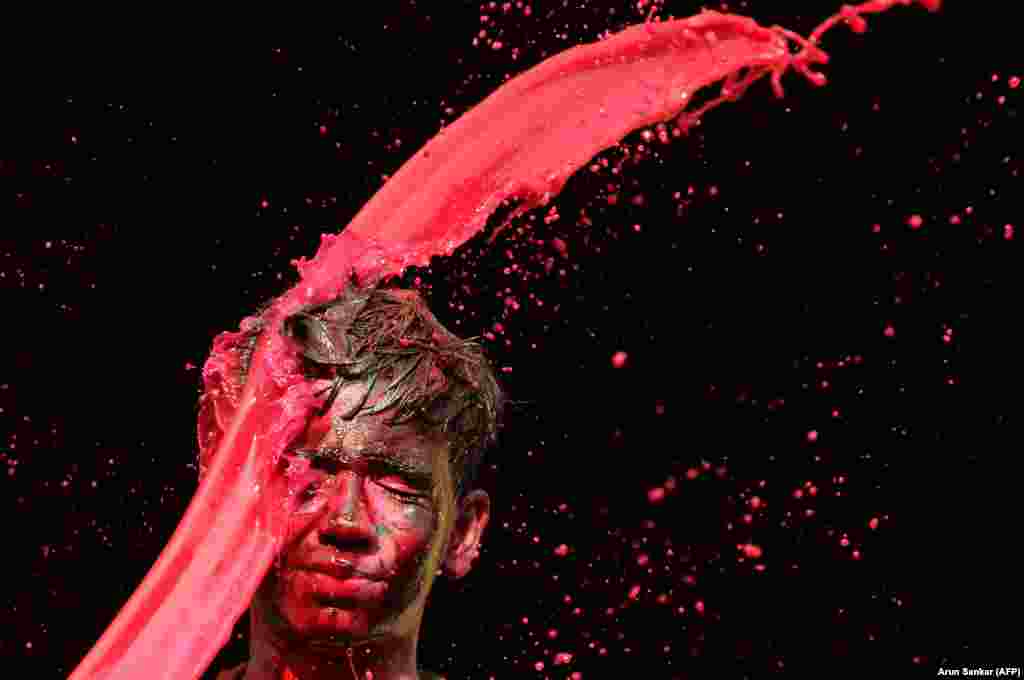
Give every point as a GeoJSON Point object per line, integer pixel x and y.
{"type": "Point", "coordinates": [656, 495]}
{"type": "Point", "coordinates": [562, 550]}
{"type": "Point", "coordinates": [752, 551]}
{"type": "Point", "coordinates": [619, 359]}
{"type": "Point", "coordinates": [915, 222]}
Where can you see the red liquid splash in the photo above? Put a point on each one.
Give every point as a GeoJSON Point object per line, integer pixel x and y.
{"type": "Point", "coordinates": [523, 141]}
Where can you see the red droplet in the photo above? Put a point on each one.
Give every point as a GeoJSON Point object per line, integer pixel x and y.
{"type": "Point", "coordinates": [642, 559]}
{"type": "Point", "coordinates": [562, 550]}
{"type": "Point", "coordinates": [755, 502]}
{"type": "Point", "coordinates": [562, 658]}
{"type": "Point", "coordinates": [634, 592]}
{"type": "Point", "coordinates": [889, 331]}
{"type": "Point", "coordinates": [844, 541]}
{"type": "Point", "coordinates": [812, 436]}
{"type": "Point", "coordinates": [752, 551]}
{"type": "Point", "coordinates": [619, 359]}
{"type": "Point", "coordinates": [552, 633]}
{"type": "Point", "coordinates": [873, 523]}
{"type": "Point", "coordinates": [1014, 82]}
{"type": "Point", "coordinates": [699, 606]}
{"type": "Point", "coordinates": [323, 129]}
{"type": "Point", "coordinates": [692, 473]}
{"type": "Point", "coordinates": [1008, 232]}
{"type": "Point", "coordinates": [264, 203]}
{"type": "Point", "coordinates": [656, 495]}
{"type": "Point", "coordinates": [915, 221]}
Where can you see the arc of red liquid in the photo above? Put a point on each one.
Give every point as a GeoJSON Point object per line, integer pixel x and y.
{"type": "Point", "coordinates": [523, 141]}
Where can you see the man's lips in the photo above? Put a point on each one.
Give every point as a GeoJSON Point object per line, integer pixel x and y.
{"type": "Point", "coordinates": [335, 566]}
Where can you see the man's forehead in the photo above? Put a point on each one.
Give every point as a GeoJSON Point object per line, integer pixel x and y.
{"type": "Point", "coordinates": [370, 434]}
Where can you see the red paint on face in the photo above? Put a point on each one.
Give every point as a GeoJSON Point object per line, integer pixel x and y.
{"type": "Point", "coordinates": [351, 579]}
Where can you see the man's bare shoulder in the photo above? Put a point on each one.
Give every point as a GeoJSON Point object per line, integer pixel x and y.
{"type": "Point", "coordinates": [235, 673]}
{"type": "Point", "coordinates": [238, 672]}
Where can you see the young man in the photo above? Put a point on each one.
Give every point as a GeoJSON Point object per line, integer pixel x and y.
{"type": "Point", "coordinates": [384, 471]}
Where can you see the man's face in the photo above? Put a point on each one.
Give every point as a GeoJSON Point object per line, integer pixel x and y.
{"type": "Point", "coordinates": [378, 497]}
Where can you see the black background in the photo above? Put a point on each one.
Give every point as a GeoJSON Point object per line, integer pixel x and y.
{"type": "Point", "coordinates": [135, 164]}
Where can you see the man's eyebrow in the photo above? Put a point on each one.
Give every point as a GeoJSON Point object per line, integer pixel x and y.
{"type": "Point", "coordinates": [387, 458]}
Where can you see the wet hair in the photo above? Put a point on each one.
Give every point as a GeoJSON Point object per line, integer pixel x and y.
{"type": "Point", "coordinates": [434, 379]}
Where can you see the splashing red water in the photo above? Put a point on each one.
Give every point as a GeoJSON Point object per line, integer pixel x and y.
{"type": "Point", "coordinates": [523, 141]}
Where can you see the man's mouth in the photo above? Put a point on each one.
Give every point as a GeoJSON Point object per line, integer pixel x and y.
{"type": "Point", "coordinates": [331, 580]}
{"type": "Point", "coordinates": [337, 567]}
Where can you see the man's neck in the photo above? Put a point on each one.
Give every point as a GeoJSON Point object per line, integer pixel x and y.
{"type": "Point", "coordinates": [386, 659]}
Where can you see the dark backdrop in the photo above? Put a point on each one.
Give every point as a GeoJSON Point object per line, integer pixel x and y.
{"type": "Point", "coordinates": [157, 181]}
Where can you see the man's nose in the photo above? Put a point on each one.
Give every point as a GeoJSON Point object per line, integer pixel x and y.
{"type": "Point", "coordinates": [347, 526]}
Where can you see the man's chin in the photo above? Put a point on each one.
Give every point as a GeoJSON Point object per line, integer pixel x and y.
{"type": "Point", "coordinates": [338, 621]}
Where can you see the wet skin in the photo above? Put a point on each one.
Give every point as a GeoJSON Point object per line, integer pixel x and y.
{"type": "Point", "coordinates": [373, 521]}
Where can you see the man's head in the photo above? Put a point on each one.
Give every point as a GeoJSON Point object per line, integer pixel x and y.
{"type": "Point", "coordinates": [384, 469]}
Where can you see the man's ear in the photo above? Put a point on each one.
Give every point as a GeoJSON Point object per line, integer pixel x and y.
{"type": "Point", "coordinates": [464, 542]}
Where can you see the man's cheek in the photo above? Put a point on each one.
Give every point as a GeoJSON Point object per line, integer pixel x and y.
{"type": "Point", "coordinates": [414, 518]}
